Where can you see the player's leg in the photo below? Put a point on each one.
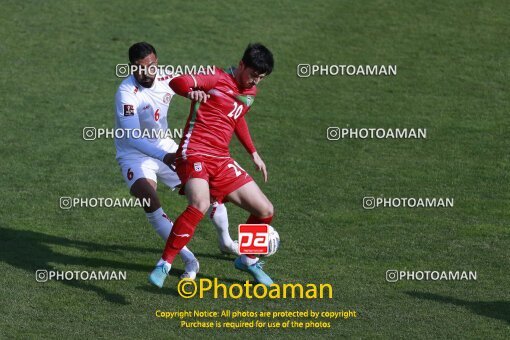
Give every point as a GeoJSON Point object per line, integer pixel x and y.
{"type": "Point", "coordinates": [169, 178]}
{"type": "Point", "coordinates": [141, 176]}
{"type": "Point", "coordinates": [239, 188]}
{"type": "Point", "coordinates": [219, 217]}
{"type": "Point", "coordinates": [197, 193]}
{"type": "Point", "coordinates": [145, 190]}
{"type": "Point", "coordinates": [252, 199]}
{"type": "Point", "coordinates": [217, 211]}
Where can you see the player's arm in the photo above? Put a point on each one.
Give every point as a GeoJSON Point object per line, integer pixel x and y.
{"type": "Point", "coordinates": [243, 134]}
{"type": "Point", "coordinates": [126, 110]}
{"type": "Point", "coordinates": [194, 87]}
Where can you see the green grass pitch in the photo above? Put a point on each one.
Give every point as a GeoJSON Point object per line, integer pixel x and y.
{"type": "Point", "coordinates": [58, 75]}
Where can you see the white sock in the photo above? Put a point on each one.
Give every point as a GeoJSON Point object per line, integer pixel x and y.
{"type": "Point", "coordinates": [219, 217]}
{"type": "Point", "coordinates": [163, 226]}
{"type": "Point", "coordinates": [248, 260]}
{"type": "Point", "coordinates": [186, 254]}
{"type": "Point", "coordinates": [160, 223]}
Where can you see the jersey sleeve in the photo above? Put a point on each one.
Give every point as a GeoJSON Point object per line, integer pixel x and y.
{"type": "Point", "coordinates": [127, 116]}
{"type": "Point", "coordinates": [182, 85]}
{"type": "Point", "coordinates": [243, 134]}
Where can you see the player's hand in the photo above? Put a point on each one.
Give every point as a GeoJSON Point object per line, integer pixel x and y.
{"type": "Point", "coordinates": [198, 96]}
{"type": "Point", "coordinates": [259, 164]}
{"type": "Point", "coordinates": [169, 160]}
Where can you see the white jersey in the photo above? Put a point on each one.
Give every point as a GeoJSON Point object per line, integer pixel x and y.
{"type": "Point", "coordinates": [145, 110]}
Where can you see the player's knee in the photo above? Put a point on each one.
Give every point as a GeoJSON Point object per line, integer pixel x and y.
{"type": "Point", "coordinates": [147, 196]}
{"type": "Point", "coordinates": [267, 209]}
{"type": "Point", "coordinates": [201, 205]}
{"type": "Point", "coordinates": [270, 209]}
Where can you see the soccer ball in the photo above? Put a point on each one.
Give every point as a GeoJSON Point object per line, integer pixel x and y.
{"type": "Point", "coordinates": [274, 241]}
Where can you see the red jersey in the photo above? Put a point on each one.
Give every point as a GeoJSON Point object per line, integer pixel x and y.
{"type": "Point", "coordinates": [210, 125]}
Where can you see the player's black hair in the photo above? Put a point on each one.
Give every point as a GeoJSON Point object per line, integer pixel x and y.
{"type": "Point", "coordinates": [140, 50]}
{"type": "Point", "coordinates": [259, 58]}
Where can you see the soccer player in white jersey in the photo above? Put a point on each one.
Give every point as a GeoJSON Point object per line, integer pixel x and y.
{"type": "Point", "coordinates": [141, 106]}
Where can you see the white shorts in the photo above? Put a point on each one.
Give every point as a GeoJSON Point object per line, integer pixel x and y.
{"type": "Point", "coordinates": [148, 167]}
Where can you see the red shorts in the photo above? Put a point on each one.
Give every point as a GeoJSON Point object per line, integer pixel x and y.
{"type": "Point", "coordinates": [224, 175]}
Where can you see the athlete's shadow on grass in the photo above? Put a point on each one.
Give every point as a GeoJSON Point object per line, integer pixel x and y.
{"type": "Point", "coordinates": [31, 251]}
{"type": "Point", "coordinates": [229, 258]}
{"type": "Point", "coordinates": [499, 310]}
{"type": "Point", "coordinates": [176, 273]}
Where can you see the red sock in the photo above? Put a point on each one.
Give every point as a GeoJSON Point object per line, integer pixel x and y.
{"type": "Point", "coordinates": [182, 232]}
{"type": "Point", "coordinates": [258, 220]}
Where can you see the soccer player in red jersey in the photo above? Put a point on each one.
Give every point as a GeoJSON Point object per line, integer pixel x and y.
{"type": "Point", "coordinates": [203, 163]}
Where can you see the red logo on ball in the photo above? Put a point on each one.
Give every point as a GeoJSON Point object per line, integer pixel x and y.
{"type": "Point", "coordinates": [254, 239]}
